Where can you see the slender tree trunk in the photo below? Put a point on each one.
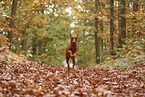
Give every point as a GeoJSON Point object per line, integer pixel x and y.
{"type": "Point", "coordinates": [41, 45]}
{"type": "Point", "coordinates": [129, 21]}
{"type": "Point", "coordinates": [135, 5]}
{"type": "Point", "coordinates": [135, 8]}
{"type": "Point", "coordinates": [111, 27]}
{"type": "Point", "coordinates": [123, 20]}
{"type": "Point", "coordinates": [143, 33]}
{"type": "Point", "coordinates": [102, 43]}
{"type": "Point", "coordinates": [96, 37]}
{"type": "Point", "coordinates": [34, 43]}
{"type": "Point", "coordinates": [24, 41]}
{"type": "Point", "coordinates": [105, 45]}
{"type": "Point", "coordinates": [12, 20]}
{"type": "Point", "coordinates": [122, 34]}
{"type": "Point", "coordinates": [119, 23]}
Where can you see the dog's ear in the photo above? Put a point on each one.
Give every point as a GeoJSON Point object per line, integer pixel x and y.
{"type": "Point", "coordinates": [70, 34]}
{"type": "Point", "coordinates": [77, 33]}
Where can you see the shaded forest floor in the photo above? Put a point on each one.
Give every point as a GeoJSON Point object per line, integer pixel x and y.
{"type": "Point", "coordinates": [31, 79]}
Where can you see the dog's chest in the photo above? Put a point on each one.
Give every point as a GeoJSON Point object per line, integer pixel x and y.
{"type": "Point", "coordinates": [73, 49]}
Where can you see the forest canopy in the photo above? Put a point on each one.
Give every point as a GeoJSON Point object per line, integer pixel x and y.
{"type": "Point", "coordinates": [39, 29]}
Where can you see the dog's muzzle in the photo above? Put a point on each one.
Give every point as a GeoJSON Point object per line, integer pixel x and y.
{"type": "Point", "coordinates": [74, 43]}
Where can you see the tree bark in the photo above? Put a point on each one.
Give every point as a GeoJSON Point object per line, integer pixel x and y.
{"type": "Point", "coordinates": [12, 21]}
{"type": "Point", "coordinates": [96, 37]}
{"type": "Point", "coordinates": [135, 8]}
{"type": "Point", "coordinates": [119, 24]}
{"type": "Point", "coordinates": [111, 27]}
{"type": "Point", "coordinates": [34, 44]}
{"type": "Point", "coordinates": [122, 28]}
{"type": "Point", "coordinates": [143, 33]}
{"type": "Point", "coordinates": [102, 42]}
{"type": "Point", "coordinates": [135, 5]}
{"type": "Point", "coordinates": [123, 20]}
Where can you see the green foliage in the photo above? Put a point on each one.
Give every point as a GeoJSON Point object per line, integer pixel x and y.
{"type": "Point", "coordinates": [45, 25]}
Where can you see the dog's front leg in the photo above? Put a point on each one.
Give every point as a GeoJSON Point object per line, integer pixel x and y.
{"type": "Point", "coordinates": [75, 53]}
{"type": "Point", "coordinates": [73, 59]}
{"type": "Point", "coordinates": [70, 52]}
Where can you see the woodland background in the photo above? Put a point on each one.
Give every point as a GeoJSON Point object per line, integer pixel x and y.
{"type": "Point", "coordinates": [34, 35]}
{"type": "Point", "coordinates": [40, 29]}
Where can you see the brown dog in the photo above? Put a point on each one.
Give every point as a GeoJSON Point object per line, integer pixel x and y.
{"type": "Point", "coordinates": [72, 49]}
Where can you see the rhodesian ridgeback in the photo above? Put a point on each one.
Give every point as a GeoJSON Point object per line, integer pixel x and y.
{"type": "Point", "coordinates": [72, 49]}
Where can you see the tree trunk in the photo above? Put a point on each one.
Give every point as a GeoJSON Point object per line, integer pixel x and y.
{"type": "Point", "coordinates": [24, 41]}
{"type": "Point", "coordinates": [135, 5]}
{"type": "Point", "coordinates": [96, 37]}
{"type": "Point", "coordinates": [119, 24]}
{"type": "Point", "coordinates": [34, 44]}
{"type": "Point", "coordinates": [122, 34]}
{"type": "Point", "coordinates": [12, 21]}
{"type": "Point", "coordinates": [111, 27]}
{"type": "Point", "coordinates": [102, 43]}
{"type": "Point", "coordinates": [123, 20]}
{"type": "Point", "coordinates": [135, 8]}
{"type": "Point", "coordinates": [143, 33]}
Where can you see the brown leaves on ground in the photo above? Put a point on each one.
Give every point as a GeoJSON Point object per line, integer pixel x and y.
{"type": "Point", "coordinates": [45, 81]}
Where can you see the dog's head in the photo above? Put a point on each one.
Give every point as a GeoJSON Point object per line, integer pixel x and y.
{"type": "Point", "coordinates": [74, 38]}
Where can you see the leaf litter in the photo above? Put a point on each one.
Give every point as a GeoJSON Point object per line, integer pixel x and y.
{"type": "Point", "coordinates": [31, 79]}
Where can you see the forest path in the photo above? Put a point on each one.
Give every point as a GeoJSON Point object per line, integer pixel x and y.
{"type": "Point", "coordinates": [32, 79]}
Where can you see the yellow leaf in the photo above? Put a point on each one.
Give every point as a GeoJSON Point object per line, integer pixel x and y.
{"type": "Point", "coordinates": [35, 86]}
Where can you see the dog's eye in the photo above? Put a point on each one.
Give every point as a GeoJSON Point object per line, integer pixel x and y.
{"type": "Point", "coordinates": [75, 38]}
{"type": "Point", "coordinates": [72, 38]}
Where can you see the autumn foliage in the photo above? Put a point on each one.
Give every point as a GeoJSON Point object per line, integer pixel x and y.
{"type": "Point", "coordinates": [32, 79]}
{"type": "Point", "coordinates": [34, 35]}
